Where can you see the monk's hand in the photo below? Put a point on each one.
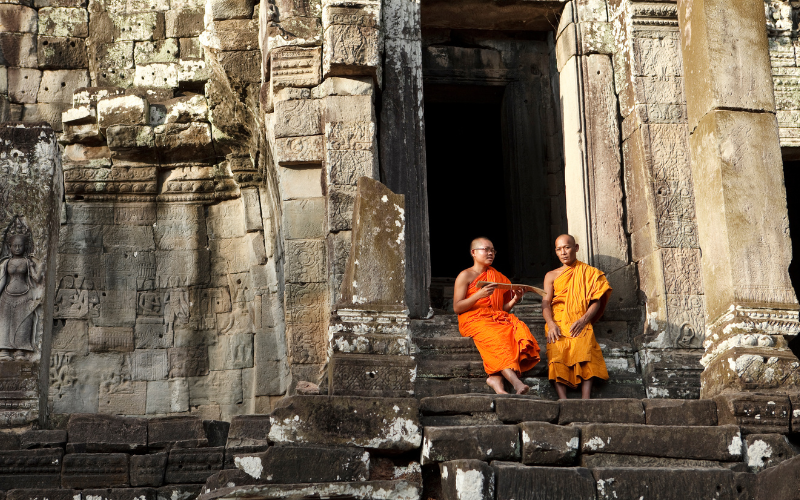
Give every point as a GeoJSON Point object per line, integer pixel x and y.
{"type": "Point", "coordinates": [553, 333]}
{"type": "Point", "coordinates": [518, 293]}
{"type": "Point", "coordinates": [486, 291]}
{"type": "Point", "coordinates": [578, 328]}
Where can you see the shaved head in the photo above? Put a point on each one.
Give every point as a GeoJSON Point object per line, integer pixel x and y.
{"type": "Point", "coordinates": [568, 237]}
{"type": "Point", "coordinates": [476, 243]}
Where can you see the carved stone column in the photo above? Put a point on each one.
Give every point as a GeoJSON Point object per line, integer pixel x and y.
{"type": "Point", "coordinates": [740, 197]}
{"type": "Point", "coordinates": [31, 189]}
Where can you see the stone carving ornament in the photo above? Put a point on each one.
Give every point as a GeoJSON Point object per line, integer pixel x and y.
{"type": "Point", "coordinates": [21, 291]}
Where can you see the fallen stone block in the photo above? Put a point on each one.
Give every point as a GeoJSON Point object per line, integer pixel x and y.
{"type": "Point", "coordinates": [30, 468]}
{"type": "Point", "coordinates": [307, 464]}
{"type": "Point", "coordinates": [175, 432]}
{"type": "Point", "coordinates": [544, 443]}
{"type": "Point", "coordinates": [43, 439]}
{"type": "Point", "coordinates": [94, 470]}
{"type": "Point", "coordinates": [513, 410]}
{"type": "Point", "coordinates": [90, 433]}
{"type": "Point", "coordinates": [249, 430]}
{"type": "Point", "coordinates": [186, 465]}
{"type": "Point", "coordinates": [179, 492]}
{"type": "Point", "coordinates": [702, 443]}
{"type": "Point", "coordinates": [762, 451]}
{"type": "Point", "coordinates": [40, 494]}
{"type": "Point", "coordinates": [618, 411]}
{"type": "Point", "coordinates": [754, 413]}
{"type": "Point", "coordinates": [456, 404]}
{"type": "Point", "coordinates": [228, 478]}
{"type": "Point", "coordinates": [120, 494]}
{"type": "Point", "coordinates": [701, 412]}
{"type": "Point", "coordinates": [360, 490]}
{"type": "Point", "coordinates": [494, 442]}
{"type": "Point", "coordinates": [518, 482]}
{"type": "Point", "coordinates": [372, 423]}
{"type": "Point", "coordinates": [781, 481]}
{"type": "Point", "coordinates": [597, 460]}
{"type": "Point", "coordinates": [466, 480]}
{"type": "Point", "coordinates": [148, 470]}
{"type": "Point", "coordinates": [123, 110]}
{"type": "Point", "coordinates": [666, 484]}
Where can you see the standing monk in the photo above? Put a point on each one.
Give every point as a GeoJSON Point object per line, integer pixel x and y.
{"type": "Point", "coordinates": [576, 296]}
{"type": "Point", "coordinates": [505, 343]}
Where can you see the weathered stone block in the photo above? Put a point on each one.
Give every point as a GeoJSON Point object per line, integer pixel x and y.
{"type": "Point", "coordinates": [494, 442]}
{"type": "Point", "coordinates": [753, 413]}
{"type": "Point", "coordinates": [220, 387]}
{"type": "Point", "coordinates": [61, 53]}
{"type": "Point", "coordinates": [304, 219]}
{"type": "Point", "coordinates": [762, 451]}
{"type": "Point", "coordinates": [249, 430]}
{"type": "Point", "coordinates": [104, 433]}
{"type": "Point", "coordinates": [18, 50]}
{"type": "Point", "coordinates": [30, 468]}
{"type": "Point", "coordinates": [123, 110]}
{"type": "Point", "coordinates": [120, 494]}
{"type": "Point", "coordinates": [622, 411]}
{"type": "Point", "coordinates": [126, 398]}
{"type": "Point", "coordinates": [682, 483]}
{"type": "Point", "coordinates": [232, 9]}
{"type": "Point", "coordinates": [544, 443]}
{"type": "Point", "coordinates": [701, 443]}
{"type": "Point", "coordinates": [43, 439]}
{"type": "Point", "coordinates": [179, 492]}
{"type": "Point", "coordinates": [341, 202]}
{"type": "Point", "coordinates": [23, 84]}
{"type": "Point", "coordinates": [781, 481]}
{"type": "Point", "coordinates": [111, 64]}
{"type": "Point", "coordinates": [514, 410]}
{"type": "Point", "coordinates": [188, 361]}
{"type": "Point", "coordinates": [167, 396]}
{"type": "Point", "coordinates": [307, 464]}
{"type": "Point", "coordinates": [61, 21]}
{"type": "Point", "coordinates": [175, 432]}
{"type": "Point", "coordinates": [59, 85]}
{"type": "Point", "coordinates": [680, 412]}
{"type": "Point", "coordinates": [300, 117]}
{"type": "Point", "coordinates": [306, 150]}
{"type": "Point", "coordinates": [193, 465]}
{"type": "Point", "coordinates": [305, 261]}
{"type": "Point", "coordinates": [295, 67]}
{"type": "Point", "coordinates": [148, 470]}
{"type": "Point", "coordinates": [236, 34]}
{"type": "Point", "coordinates": [232, 352]}
{"type": "Point", "coordinates": [456, 404]}
{"type": "Point", "coordinates": [464, 479]}
{"type": "Point", "coordinates": [374, 423]}
{"type": "Point", "coordinates": [110, 338]}
{"type": "Point", "coordinates": [158, 51]}
{"type": "Point", "coordinates": [353, 48]}
{"type": "Point", "coordinates": [613, 460]}
{"type": "Point", "coordinates": [375, 376]}
{"type": "Point", "coordinates": [180, 142]}
{"type": "Point", "coordinates": [794, 399]}
{"type": "Point", "coordinates": [517, 482]}
{"type": "Point", "coordinates": [186, 109]}
{"type": "Point", "coordinates": [191, 48]}
{"type": "Point", "coordinates": [183, 23]}
{"type": "Point", "coordinates": [35, 494]}
{"type": "Point", "coordinates": [94, 470]}
{"type": "Point", "coordinates": [182, 268]}
{"type": "Point", "coordinates": [18, 19]}
{"type": "Point", "coordinates": [228, 478]}
{"type": "Point", "coordinates": [139, 26]}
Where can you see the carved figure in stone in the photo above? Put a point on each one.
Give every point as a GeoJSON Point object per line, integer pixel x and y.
{"type": "Point", "coordinates": [21, 290]}
{"type": "Point", "coordinates": [576, 296]}
{"type": "Point", "coordinates": [506, 344]}
{"type": "Point", "coordinates": [176, 308]}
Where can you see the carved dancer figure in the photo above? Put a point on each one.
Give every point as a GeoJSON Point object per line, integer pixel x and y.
{"type": "Point", "coordinates": [20, 292]}
{"type": "Point", "coordinates": [576, 296]}
{"type": "Point", "coordinates": [505, 343]}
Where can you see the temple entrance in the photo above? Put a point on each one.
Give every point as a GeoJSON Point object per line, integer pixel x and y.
{"type": "Point", "coordinates": [791, 176]}
{"type": "Point", "coordinates": [493, 153]}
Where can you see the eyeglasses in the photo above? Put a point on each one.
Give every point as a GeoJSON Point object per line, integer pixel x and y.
{"type": "Point", "coordinates": [487, 250]}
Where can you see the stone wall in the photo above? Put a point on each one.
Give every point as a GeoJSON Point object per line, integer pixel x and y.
{"type": "Point", "coordinates": [782, 17]}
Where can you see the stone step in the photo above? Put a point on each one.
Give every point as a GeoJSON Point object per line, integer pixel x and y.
{"type": "Point", "coordinates": [356, 490]}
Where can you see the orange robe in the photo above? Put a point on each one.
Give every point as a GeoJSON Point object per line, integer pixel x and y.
{"type": "Point", "coordinates": [571, 360]}
{"type": "Point", "coordinates": [502, 339]}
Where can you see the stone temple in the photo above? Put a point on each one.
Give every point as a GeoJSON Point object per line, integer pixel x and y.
{"type": "Point", "coordinates": [230, 232]}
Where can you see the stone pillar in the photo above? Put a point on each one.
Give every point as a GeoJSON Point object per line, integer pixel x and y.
{"type": "Point", "coordinates": [741, 200]}
{"type": "Point", "coordinates": [369, 330]}
{"type": "Point", "coordinates": [402, 141]}
{"type": "Point", "coordinates": [31, 189]}
{"type": "Point", "coordinates": [660, 215]}
{"type": "Point", "coordinates": [593, 162]}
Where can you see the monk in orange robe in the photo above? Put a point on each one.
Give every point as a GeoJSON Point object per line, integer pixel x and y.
{"type": "Point", "coordinates": [505, 343]}
{"type": "Point", "coordinates": [576, 296]}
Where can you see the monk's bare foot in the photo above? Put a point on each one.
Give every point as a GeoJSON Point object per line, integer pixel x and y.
{"type": "Point", "coordinates": [496, 383]}
{"type": "Point", "coordinates": [523, 390]}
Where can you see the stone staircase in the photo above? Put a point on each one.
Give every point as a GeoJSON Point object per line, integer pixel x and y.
{"type": "Point", "coordinates": [448, 363]}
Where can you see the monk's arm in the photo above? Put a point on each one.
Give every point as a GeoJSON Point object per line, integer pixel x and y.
{"type": "Point", "coordinates": [593, 313]}
{"type": "Point", "coordinates": [460, 301]}
{"type": "Point", "coordinates": [554, 332]}
{"type": "Point", "coordinates": [516, 296]}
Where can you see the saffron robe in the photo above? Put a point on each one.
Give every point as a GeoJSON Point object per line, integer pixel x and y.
{"type": "Point", "coordinates": [502, 339]}
{"type": "Point", "coordinates": [571, 360]}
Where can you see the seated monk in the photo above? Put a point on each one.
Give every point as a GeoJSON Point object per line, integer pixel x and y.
{"type": "Point", "coordinates": [576, 296]}
{"type": "Point", "coordinates": [505, 343]}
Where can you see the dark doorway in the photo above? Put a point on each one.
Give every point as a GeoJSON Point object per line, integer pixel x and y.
{"type": "Point", "coordinates": [791, 176]}
{"type": "Point", "coordinates": [467, 194]}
